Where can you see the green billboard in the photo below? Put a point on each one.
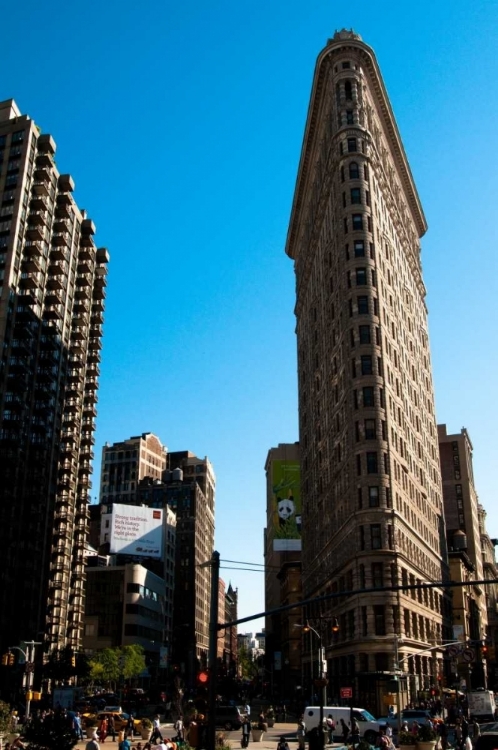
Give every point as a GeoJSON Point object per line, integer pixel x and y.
{"type": "Point", "coordinates": [286, 505]}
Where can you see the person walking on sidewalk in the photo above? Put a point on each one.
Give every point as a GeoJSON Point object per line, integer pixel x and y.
{"type": "Point", "coordinates": [156, 730]}
{"type": "Point", "coordinates": [301, 734]}
{"type": "Point", "coordinates": [246, 732]}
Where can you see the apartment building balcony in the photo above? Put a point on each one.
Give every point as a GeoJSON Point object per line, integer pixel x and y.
{"type": "Point", "coordinates": [89, 410]}
{"type": "Point", "coordinates": [84, 267]}
{"type": "Point", "coordinates": [61, 239]}
{"type": "Point", "coordinates": [87, 227]}
{"type": "Point", "coordinates": [59, 252]}
{"type": "Point", "coordinates": [81, 305]}
{"type": "Point", "coordinates": [95, 343]}
{"type": "Point", "coordinates": [86, 452]}
{"type": "Point", "coordinates": [87, 423]}
{"type": "Point", "coordinates": [76, 360]}
{"type": "Point", "coordinates": [97, 318]}
{"type": "Point", "coordinates": [83, 292]}
{"type": "Point", "coordinates": [93, 371]}
{"type": "Point", "coordinates": [39, 203]}
{"type": "Point", "coordinates": [38, 219]}
{"type": "Point", "coordinates": [81, 319]}
{"type": "Point", "coordinates": [52, 312]}
{"type": "Point", "coordinates": [93, 356]}
{"type": "Point", "coordinates": [45, 160]}
{"type": "Point", "coordinates": [54, 297]}
{"type": "Point", "coordinates": [75, 375]}
{"type": "Point", "coordinates": [83, 511]}
{"type": "Point", "coordinates": [99, 292]}
{"type": "Point", "coordinates": [85, 481]}
{"type": "Point", "coordinates": [71, 419]}
{"type": "Point", "coordinates": [36, 233]}
{"type": "Point", "coordinates": [41, 188]}
{"type": "Point", "coordinates": [87, 438]}
{"type": "Point", "coordinates": [63, 209]}
{"type": "Point", "coordinates": [60, 566]}
{"type": "Point", "coordinates": [61, 225]}
{"type": "Point", "coordinates": [42, 174]}
{"type": "Point", "coordinates": [30, 280]}
{"type": "Point", "coordinates": [87, 253]}
{"type": "Point", "coordinates": [55, 282]}
{"type": "Point", "coordinates": [33, 250]}
{"type": "Point", "coordinates": [32, 265]}
{"type": "Point", "coordinates": [83, 280]}
{"type": "Point", "coordinates": [65, 183]}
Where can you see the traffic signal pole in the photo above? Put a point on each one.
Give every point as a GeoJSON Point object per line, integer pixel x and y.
{"type": "Point", "coordinates": [213, 651]}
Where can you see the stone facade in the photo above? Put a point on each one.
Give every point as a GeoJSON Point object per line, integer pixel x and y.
{"type": "Point", "coordinates": [371, 486]}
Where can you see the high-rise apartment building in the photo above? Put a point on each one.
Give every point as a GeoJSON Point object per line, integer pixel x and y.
{"type": "Point", "coordinates": [372, 511]}
{"type": "Point", "coordinates": [188, 488]}
{"type": "Point", "coordinates": [125, 463]}
{"type": "Point", "coordinates": [52, 290]}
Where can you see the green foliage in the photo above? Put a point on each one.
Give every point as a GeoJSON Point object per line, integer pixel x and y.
{"type": "Point", "coordinates": [111, 664]}
{"type": "Point", "coordinates": [247, 667]}
{"type": "Point", "coordinates": [407, 738]}
{"type": "Point", "coordinates": [4, 717]}
{"type": "Point", "coordinates": [426, 733]}
{"type": "Point", "coordinates": [54, 732]}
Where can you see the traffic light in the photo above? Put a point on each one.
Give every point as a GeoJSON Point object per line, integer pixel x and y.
{"type": "Point", "coordinates": [5, 659]}
{"type": "Point", "coordinates": [203, 677]}
{"type": "Point", "coordinates": [12, 659]}
{"type": "Point", "coordinates": [484, 650]}
{"type": "Point", "coordinates": [73, 661]}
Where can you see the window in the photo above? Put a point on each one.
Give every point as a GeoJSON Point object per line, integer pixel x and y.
{"type": "Point", "coordinates": [370, 432]}
{"type": "Point", "coordinates": [368, 396]}
{"type": "Point", "coordinates": [346, 65]}
{"type": "Point", "coordinates": [377, 575]}
{"type": "Point", "coordinates": [359, 249]}
{"type": "Point", "coordinates": [372, 463]}
{"type": "Point", "coordinates": [366, 365]}
{"type": "Point", "coordinates": [352, 145]}
{"type": "Point", "coordinates": [348, 90]}
{"type": "Point", "coordinates": [358, 464]}
{"type": "Point", "coordinates": [382, 662]}
{"type": "Point", "coordinates": [361, 276]}
{"type": "Point", "coordinates": [354, 171]}
{"type": "Point", "coordinates": [373, 497]}
{"type": "Point", "coordinates": [362, 537]}
{"type": "Point", "coordinates": [345, 226]}
{"type": "Point", "coordinates": [364, 332]}
{"type": "Point", "coordinates": [379, 620]}
{"type": "Point", "coordinates": [362, 303]}
{"type": "Point", "coordinates": [357, 221]}
{"type": "Point", "coordinates": [355, 195]}
{"type": "Point", "coordinates": [18, 137]}
{"type": "Point", "coordinates": [375, 537]}
{"type": "Point", "coordinates": [349, 117]}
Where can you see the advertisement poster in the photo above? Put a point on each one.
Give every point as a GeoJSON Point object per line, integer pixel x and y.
{"type": "Point", "coordinates": [136, 530]}
{"type": "Point", "coordinates": [286, 488]}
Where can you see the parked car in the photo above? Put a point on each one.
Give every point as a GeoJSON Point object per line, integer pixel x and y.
{"type": "Point", "coordinates": [489, 728]}
{"type": "Point", "coordinates": [228, 717]}
{"type": "Point", "coordinates": [487, 741]}
{"type": "Point", "coordinates": [420, 715]}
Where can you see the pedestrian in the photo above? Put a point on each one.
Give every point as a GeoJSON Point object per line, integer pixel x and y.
{"type": "Point", "coordinates": [476, 730]}
{"type": "Point", "coordinates": [179, 728]}
{"type": "Point", "coordinates": [77, 726]}
{"type": "Point", "coordinates": [247, 710]}
{"type": "Point", "coordinates": [125, 744]}
{"type": "Point", "coordinates": [156, 730]}
{"type": "Point", "coordinates": [111, 727]}
{"type": "Point", "coordinates": [330, 728]}
{"type": "Point", "coordinates": [246, 731]}
{"type": "Point", "coordinates": [283, 744]}
{"type": "Point", "coordinates": [443, 735]}
{"type": "Point", "coordinates": [129, 726]}
{"type": "Point", "coordinates": [355, 732]}
{"type": "Point", "coordinates": [465, 728]}
{"type": "Point", "coordinates": [93, 744]}
{"type": "Point", "coordinates": [103, 729]}
{"type": "Point", "coordinates": [301, 734]}
{"type": "Point", "coordinates": [345, 731]}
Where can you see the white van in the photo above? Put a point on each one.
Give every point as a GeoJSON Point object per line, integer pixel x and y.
{"type": "Point", "coordinates": [369, 726]}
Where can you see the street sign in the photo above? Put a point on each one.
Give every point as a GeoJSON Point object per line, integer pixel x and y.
{"type": "Point", "coordinates": [453, 651]}
{"type": "Point", "coordinates": [346, 692]}
{"type": "Point", "coordinates": [468, 655]}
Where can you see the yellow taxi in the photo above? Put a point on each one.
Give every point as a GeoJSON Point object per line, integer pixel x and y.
{"type": "Point", "coordinates": [120, 720]}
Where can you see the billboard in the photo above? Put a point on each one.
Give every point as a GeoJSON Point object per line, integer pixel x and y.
{"type": "Point", "coordinates": [286, 499]}
{"type": "Point", "coordinates": [136, 530]}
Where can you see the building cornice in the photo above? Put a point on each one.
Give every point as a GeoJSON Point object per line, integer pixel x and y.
{"type": "Point", "coordinates": [379, 92]}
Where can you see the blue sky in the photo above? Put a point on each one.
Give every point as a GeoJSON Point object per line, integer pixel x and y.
{"type": "Point", "coordinates": [181, 124]}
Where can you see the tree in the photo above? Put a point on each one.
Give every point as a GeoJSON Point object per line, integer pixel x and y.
{"type": "Point", "coordinates": [112, 664]}
{"type": "Point", "coordinates": [4, 717]}
{"type": "Point", "coordinates": [248, 669]}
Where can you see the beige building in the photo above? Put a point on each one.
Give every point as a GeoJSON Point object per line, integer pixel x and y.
{"type": "Point", "coordinates": [125, 463]}
{"type": "Point", "coordinates": [468, 542]}
{"type": "Point", "coordinates": [52, 291]}
{"type": "Point", "coordinates": [371, 486]}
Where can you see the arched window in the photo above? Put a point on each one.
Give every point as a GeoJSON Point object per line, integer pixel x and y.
{"type": "Point", "coordinates": [348, 90]}
{"type": "Point", "coordinates": [354, 171]}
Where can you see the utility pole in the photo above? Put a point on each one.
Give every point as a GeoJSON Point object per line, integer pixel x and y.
{"type": "Point", "coordinates": [29, 670]}
{"type": "Point", "coordinates": [213, 651]}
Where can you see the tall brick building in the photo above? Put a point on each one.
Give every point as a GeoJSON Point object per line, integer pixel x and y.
{"type": "Point", "coordinates": [371, 488]}
{"type": "Point", "coordinates": [52, 291]}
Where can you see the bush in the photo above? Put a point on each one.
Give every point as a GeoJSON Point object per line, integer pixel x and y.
{"type": "Point", "coordinates": [4, 717]}
{"type": "Point", "coordinates": [407, 738]}
{"type": "Point", "coordinates": [53, 732]}
{"type": "Point", "coordinates": [146, 723]}
{"type": "Point", "coordinates": [426, 733]}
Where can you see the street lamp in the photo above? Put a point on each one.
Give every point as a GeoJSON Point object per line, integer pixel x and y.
{"type": "Point", "coordinates": [321, 681]}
